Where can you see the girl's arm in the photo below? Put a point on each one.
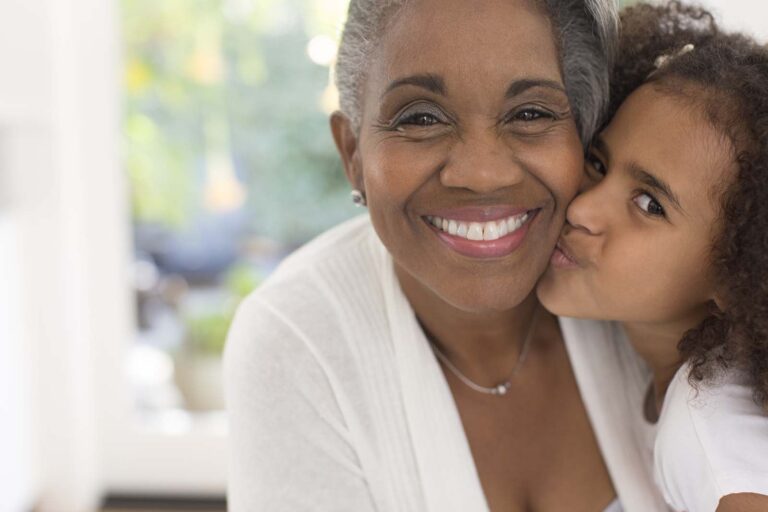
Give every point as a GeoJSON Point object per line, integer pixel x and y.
{"type": "Point", "coordinates": [743, 502]}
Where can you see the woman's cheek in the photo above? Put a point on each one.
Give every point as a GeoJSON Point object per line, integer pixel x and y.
{"type": "Point", "coordinates": [570, 179]}
{"type": "Point", "coordinates": [399, 171]}
{"type": "Point", "coordinates": [560, 165]}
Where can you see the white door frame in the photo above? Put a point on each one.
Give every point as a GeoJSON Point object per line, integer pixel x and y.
{"type": "Point", "coordinates": [60, 113]}
{"type": "Point", "coordinates": [130, 458]}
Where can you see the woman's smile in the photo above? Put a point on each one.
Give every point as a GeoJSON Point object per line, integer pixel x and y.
{"type": "Point", "coordinates": [482, 232]}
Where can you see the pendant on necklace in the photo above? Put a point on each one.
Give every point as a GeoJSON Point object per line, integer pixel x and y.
{"type": "Point", "coordinates": [501, 389]}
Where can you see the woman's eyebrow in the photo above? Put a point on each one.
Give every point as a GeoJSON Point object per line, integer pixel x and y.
{"type": "Point", "coordinates": [647, 178]}
{"type": "Point", "coordinates": [522, 85]}
{"type": "Point", "coordinates": [435, 84]}
{"type": "Point", "coordinates": [432, 83]}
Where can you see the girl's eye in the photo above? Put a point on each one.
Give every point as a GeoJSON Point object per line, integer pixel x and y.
{"type": "Point", "coordinates": [595, 166]}
{"type": "Point", "coordinates": [649, 205]}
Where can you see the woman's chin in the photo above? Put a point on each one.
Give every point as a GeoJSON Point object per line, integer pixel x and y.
{"type": "Point", "coordinates": [486, 300]}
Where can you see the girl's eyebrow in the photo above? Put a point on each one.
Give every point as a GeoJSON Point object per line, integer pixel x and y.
{"type": "Point", "coordinates": [644, 176]}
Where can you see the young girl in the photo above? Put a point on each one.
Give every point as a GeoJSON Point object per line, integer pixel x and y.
{"type": "Point", "coordinates": [670, 238]}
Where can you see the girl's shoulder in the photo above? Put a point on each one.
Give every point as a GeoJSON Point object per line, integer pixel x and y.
{"type": "Point", "coordinates": [712, 441]}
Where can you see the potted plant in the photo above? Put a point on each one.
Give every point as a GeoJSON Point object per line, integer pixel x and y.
{"type": "Point", "coordinates": [198, 362]}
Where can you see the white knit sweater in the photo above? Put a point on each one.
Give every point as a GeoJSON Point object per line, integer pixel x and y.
{"type": "Point", "coordinates": [337, 403]}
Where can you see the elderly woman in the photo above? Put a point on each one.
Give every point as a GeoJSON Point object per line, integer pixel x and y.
{"type": "Point", "coordinates": [401, 362]}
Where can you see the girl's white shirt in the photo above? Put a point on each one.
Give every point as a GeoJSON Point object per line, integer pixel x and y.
{"type": "Point", "coordinates": [337, 403]}
{"type": "Point", "coordinates": [710, 442]}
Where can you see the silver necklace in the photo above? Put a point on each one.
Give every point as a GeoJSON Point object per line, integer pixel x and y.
{"type": "Point", "coordinates": [503, 387]}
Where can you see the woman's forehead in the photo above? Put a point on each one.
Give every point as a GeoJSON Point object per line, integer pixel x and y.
{"type": "Point", "coordinates": [457, 40]}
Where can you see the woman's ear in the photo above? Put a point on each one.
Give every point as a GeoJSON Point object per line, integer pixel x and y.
{"type": "Point", "coordinates": [347, 144]}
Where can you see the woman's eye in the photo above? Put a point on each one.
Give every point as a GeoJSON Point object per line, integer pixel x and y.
{"type": "Point", "coordinates": [418, 119]}
{"type": "Point", "coordinates": [595, 166]}
{"type": "Point", "coordinates": [420, 115]}
{"type": "Point", "coordinates": [531, 114]}
{"type": "Point", "coordinates": [649, 205]}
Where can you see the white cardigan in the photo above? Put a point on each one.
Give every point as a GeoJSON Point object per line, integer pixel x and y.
{"type": "Point", "coordinates": [336, 401]}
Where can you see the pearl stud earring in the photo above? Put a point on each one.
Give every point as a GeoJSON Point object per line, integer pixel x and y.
{"type": "Point", "coordinates": [358, 198]}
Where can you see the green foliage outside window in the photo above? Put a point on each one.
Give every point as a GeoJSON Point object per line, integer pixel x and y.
{"type": "Point", "coordinates": [223, 111]}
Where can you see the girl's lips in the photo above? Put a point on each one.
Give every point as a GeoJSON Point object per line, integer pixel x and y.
{"type": "Point", "coordinates": [482, 249]}
{"type": "Point", "coordinates": [562, 258]}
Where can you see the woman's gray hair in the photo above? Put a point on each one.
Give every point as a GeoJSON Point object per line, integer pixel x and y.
{"type": "Point", "coordinates": [587, 37]}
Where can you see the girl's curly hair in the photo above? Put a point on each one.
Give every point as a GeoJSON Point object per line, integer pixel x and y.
{"type": "Point", "coordinates": [726, 75]}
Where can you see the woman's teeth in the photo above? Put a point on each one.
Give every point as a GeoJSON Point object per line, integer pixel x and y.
{"type": "Point", "coordinates": [479, 230]}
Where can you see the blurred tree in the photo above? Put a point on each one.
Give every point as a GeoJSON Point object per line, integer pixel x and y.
{"type": "Point", "coordinates": [224, 113]}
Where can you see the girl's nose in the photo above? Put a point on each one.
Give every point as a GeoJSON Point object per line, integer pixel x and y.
{"type": "Point", "coordinates": [589, 210]}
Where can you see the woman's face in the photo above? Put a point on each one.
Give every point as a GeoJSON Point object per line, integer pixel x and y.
{"type": "Point", "coordinates": [467, 152]}
{"type": "Point", "coordinates": [636, 245]}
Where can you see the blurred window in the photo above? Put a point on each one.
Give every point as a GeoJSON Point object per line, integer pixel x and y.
{"type": "Point", "coordinates": [231, 167]}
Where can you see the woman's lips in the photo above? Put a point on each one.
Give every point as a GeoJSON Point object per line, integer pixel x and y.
{"type": "Point", "coordinates": [478, 213]}
{"type": "Point", "coordinates": [469, 235]}
{"type": "Point", "coordinates": [562, 257]}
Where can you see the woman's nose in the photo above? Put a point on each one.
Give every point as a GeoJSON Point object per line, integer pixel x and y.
{"type": "Point", "coordinates": [589, 209]}
{"type": "Point", "coordinates": [483, 165]}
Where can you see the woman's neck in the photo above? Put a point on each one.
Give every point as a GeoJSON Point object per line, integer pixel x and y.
{"type": "Point", "coordinates": [485, 344]}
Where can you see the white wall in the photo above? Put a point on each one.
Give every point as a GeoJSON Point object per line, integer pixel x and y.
{"type": "Point", "coordinates": [750, 16]}
{"type": "Point", "coordinates": [24, 101]}
{"type": "Point", "coordinates": [59, 135]}
{"type": "Point", "coordinates": [25, 53]}
{"type": "Point", "coordinates": [17, 478]}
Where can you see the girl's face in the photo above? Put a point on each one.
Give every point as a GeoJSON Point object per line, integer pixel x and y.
{"type": "Point", "coordinates": [468, 152]}
{"type": "Point", "coordinates": [637, 242]}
